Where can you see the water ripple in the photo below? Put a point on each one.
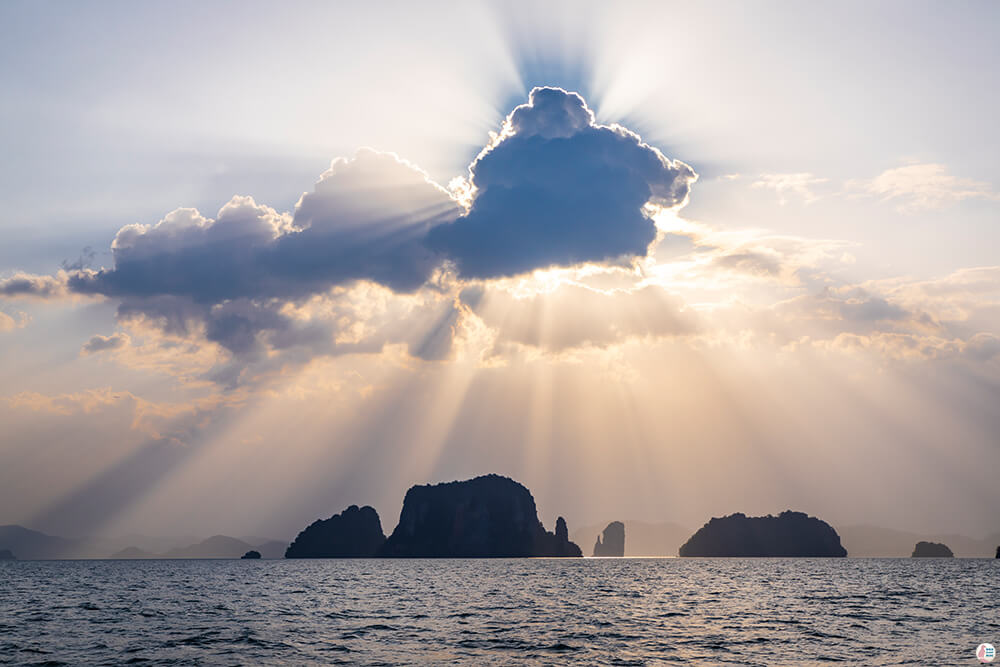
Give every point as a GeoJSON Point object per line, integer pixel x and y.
{"type": "Point", "coordinates": [498, 612]}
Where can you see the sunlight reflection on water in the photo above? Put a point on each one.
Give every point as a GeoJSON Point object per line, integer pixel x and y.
{"type": "Point", "coordinates": [594, 611]}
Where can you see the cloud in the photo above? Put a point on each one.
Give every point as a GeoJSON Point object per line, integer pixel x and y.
{"type": "Point", "coordinates": [799, 184]}
{"type": "Point", "coordinates": [24, 285]}
{"type": "Point", "coordinates": [242, 342]}
{"type": "Point", "coordinates": [557, 189]}
{"type": "Point", "coordinates": [968, 297]}
{"type": "Point", "coordinates": [377, 255]}
{"type": "Point", "coordinates": [553, 188]}
{"type": "Point", "coordinates": [983, 346]}
{"type": "Point", "coordinates": [229, 279]}
{"type": "Point", "coordinates": [84, 261]}
{"type": "Point", "coordinates": [760, 262]}
{"type": "Point", "coordinates": [155, 420]}
{"type": "Point", "coordinates": [848, 305]}
{"type": "Point", "coordinates": [100, 343]}
{"type": "Point", "coordinates": [364, 220]}
{"type": "Point", "coordinates": [731, 261]}
{"type": "Point", "coordinates": [895, 346]}
{"type": "Point", "coordinates": [8, 323]}
{"type": "Point", "coordinates": [923, 186]}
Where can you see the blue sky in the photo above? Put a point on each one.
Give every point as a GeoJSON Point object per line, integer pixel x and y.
{"type": "Point", "coordinates": [839, 242]}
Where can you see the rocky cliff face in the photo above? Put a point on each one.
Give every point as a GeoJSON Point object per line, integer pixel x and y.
{"type": "Point", "coordinates": [613, 543]}
{"type": "Point", "coordinates": [788, 534]}
{"type": "Point", "coordinates": [354, 533]}
{"type": "Point", "coordinates": [486, 517]}
{"type": "Point", "coordinates": [557, 544]}
{"type": "Point", "coordinates": [931, 550]}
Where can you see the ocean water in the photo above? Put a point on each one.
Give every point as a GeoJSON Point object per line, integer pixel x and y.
{"type": "Point", "coordinates": [502, 612]}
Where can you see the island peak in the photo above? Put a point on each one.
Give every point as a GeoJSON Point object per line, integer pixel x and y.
{"type": "Point", "coordinates": [354, 533]}
{"type": "Point", "coordinates": [483, 517]}
{"type": "Point", "coordinates": [613, 543]}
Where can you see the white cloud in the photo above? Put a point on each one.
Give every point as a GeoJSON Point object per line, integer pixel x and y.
{"type": "Point", "coordinates": [923, 186]}
{"type": "Point", "coordinates": [799, 184]}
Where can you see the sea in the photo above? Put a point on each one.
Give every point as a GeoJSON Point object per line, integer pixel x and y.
{"type": "Point", "coordinates": [621, 611]}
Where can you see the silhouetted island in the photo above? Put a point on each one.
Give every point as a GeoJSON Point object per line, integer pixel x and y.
{"type": "Point", "coordinates": [7, 554]}
{"type": "Point", "coordinates": [931, 550]}
{"type": "Point", "coordinates": [614, 541]}
{"type": "Point", "coordinates": [486, 517]}
{"type": "Point", "coordinates": [354, 533]}
{"type": "Point", "coordinates": [998, 552]}
{"type": "Point", "coordinates": [250, 555]}
{"type": "Point", "coordinates": [790, 534]}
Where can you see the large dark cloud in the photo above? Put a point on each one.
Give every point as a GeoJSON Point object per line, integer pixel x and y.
{"type": "Point", "coordinates": [229, 278]}
{"type": "Point", "coordinates": [365, 220]}
{"type": "Point", "coordinates": [557, 189]}
{"type": "Point", "coordinates": [554, 188]}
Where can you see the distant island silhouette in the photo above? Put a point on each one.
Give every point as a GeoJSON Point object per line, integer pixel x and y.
{"type": "Point", "coordinates": [644, 539]}
{"type": "Point", "coordinates": [250, 555]}
{"type": "Point", "coordinates": [7, 554]}
{"type": "Point", "coordinates": [867, 541]}
{"type": "Point", "coordinates": [931, 550]}
{"type": "Point", "coordinates": [613, 543]}
{"type": "Point", "coordinates": [217, 546]}
{"type": "Point", "coordinates": [486, 517]}
{"type": "Point", "coordinates": [790, 534]}
{"type": "Point", "coordinates": [354, 533]}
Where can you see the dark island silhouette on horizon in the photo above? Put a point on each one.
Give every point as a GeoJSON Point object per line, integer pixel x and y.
{"type": "Point", "coordinates": [613, 544]}
{"type": "Point", "coordinates": [485, 517]}
{"type": "Point", "coordinates": [790, 534]}
{"type": "Point", "coordinates": [357, 533]}
{"type": "Point", "coordinates": [931, 550]}
{"type": "Point", "coordinates": [354, 533]}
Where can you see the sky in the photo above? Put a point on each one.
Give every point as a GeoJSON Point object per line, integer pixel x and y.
{"type": "Point", "coordinates": [656, 261]}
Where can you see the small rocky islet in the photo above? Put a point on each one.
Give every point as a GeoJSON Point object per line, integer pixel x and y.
{"type": "Point", "coordinates": [611, 542]}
